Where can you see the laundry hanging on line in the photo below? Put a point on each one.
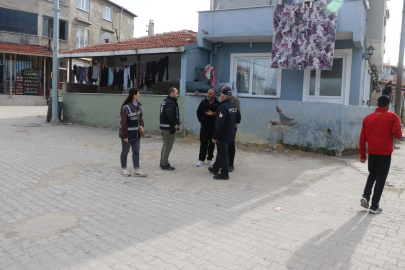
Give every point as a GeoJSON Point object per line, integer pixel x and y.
{"type": "Point", "coordinates": [304, 38]}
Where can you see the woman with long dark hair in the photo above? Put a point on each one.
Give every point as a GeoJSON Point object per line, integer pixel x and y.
{"type": "Point", "coordinates": [130, 132]}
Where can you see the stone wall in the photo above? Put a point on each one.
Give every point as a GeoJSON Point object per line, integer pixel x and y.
{"type": "Point", "coordinates": [22, 100]}
{"type": "Point", "coordinates": [332, 128]}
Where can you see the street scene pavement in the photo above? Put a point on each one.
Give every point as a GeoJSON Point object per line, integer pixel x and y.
{"type": "Point", "coordinates": [64, 205]}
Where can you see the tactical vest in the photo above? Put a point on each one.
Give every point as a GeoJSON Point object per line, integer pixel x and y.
{"type": "Point", "coordinates": [164, 123]}
{"type": "Point", "coordinates": [133, 127]}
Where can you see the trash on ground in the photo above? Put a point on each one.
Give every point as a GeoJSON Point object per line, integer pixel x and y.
{"type": "Point", "coordinates": [278, 208]}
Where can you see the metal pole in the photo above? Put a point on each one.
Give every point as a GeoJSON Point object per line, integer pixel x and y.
{"type": "Point", "coordinates": [398, 93]}
{"type": "Point", "coordinates": [55, 66]}
{"type": "Point", "coordinates": [44, 86]}
{"type": "Point", "coordinates": [11, 74]}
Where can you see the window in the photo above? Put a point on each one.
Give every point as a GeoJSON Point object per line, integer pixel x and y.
{"type": "Point", "coordinates": [330, 86]}
{"type": "Point", "coordinates": [83, 4]}
{"type": "Point", "coordinates": [62, 2]}
{"type": "Point", "coordinates": [107, 13]}
{"type": "Point", "coordinates": [18, 21]}
{"type": "Point", "coordinates": [82, 38]}
{"type": "Point", "coordinates": [254, 77]}
{"type": "Point", "coordinates": [47, 28]}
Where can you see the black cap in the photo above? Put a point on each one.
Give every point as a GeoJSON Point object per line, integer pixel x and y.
{"type": "Point", "coordinates": [226, 92]}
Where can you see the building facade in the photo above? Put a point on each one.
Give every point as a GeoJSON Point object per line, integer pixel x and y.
{"type": "Point", "coordinates": [312, 109]}
{"type": "Point", "coordinates": [89, 22]}
{"type": "Point", "coordinates": [30, 23]}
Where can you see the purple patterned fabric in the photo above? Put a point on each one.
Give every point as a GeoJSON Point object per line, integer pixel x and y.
{"type": "Point", "coordinates": [304, 38]}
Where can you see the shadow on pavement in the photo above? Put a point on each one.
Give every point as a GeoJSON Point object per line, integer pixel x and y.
{"type": "Point", "coordinates": [334, 250]}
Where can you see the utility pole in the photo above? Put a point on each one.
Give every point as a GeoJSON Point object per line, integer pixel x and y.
{"type": "Point", "coordinates": [55, 66]}
{"type": "Point", "coordinates": [398, 93]}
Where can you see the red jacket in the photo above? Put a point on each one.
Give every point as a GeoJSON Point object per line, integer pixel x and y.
{"type": "Point", "coordinates": [378, 129]}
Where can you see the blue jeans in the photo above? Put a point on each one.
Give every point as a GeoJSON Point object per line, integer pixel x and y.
{"type": "Point", "coordinates": [136, 146]}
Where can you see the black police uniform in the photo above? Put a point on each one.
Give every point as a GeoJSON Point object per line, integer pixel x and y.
{"type": "Point", "coordinates": [226, 119]}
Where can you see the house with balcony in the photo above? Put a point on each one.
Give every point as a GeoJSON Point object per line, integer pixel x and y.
{"type": "Point", "coordinates": [325, 108]}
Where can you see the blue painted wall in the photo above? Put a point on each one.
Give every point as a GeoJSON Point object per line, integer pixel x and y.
{"type": "Point", "coordinates": [292, 80]}
{"type": "Point", "coordinates": [317, 125]}
{"type": "Point", "coordinates": [258, 22]}
{"type": "Point", "coordinates": [223, 62]}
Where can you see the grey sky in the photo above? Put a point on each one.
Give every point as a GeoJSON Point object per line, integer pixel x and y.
{"type": "Point", "coordinates": [182, 14]}
{"type": "Point", "coordinates": [393, 32]}
{"type": "Point", "coordinates": [168, 15]}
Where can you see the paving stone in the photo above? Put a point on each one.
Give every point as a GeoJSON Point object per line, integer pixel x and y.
{"type": "Point", "coordinates": [184, 219]}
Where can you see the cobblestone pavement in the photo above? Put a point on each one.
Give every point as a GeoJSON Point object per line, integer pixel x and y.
{"type": "Point", "coordinates": [64, 205]}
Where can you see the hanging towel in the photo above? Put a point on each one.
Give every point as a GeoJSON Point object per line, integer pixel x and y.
{"type": "Point", "coordinates": [209, 73]}
{"type": "Point", "coordinates": [127, 73]}
{"type": "Point", "coordinates": [96, 71]}
{"type": "Point", "coordinates": [104, 77]}
{"type": "Point", "coordinates": [110, 76]}
{"type": "Point", "coordinates": [75, 70]}
{"type": "Point", "coordinates": [304, 38]}
{"type": "Point", "coordinates": [83, 76]}
{"type": "Point", "coordinates": [133, 73]}
{"type": "Point", "coordinates": [161, 67]}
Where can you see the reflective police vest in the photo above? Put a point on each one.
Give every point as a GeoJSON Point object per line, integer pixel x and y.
{"type": "Point", "coordinates": [133, 127]}
{"type": "Point", "coordinates": [164, 122]}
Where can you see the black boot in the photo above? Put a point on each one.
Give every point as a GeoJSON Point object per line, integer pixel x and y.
{"type": "Point", "coordinates": [221, 177]}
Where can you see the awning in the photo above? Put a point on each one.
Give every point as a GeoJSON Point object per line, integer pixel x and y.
{"type": "Point", "coordinates": [14, 48]}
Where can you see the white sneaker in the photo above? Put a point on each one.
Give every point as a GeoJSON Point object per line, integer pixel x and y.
{"type": "Point", "coordinates": [125, 172]}
{"type": "Point", "coordinates": [200, 163]}
{"type": "Point", "coordinates": [210, 163]}
{"type": "Point", "coordinates": [140, 173]}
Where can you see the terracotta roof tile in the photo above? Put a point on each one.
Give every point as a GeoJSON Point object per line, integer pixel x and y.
{"type": "Point", "coordinates": [165, 40]}
{"type": "Point", "coordinates": [15, 48]}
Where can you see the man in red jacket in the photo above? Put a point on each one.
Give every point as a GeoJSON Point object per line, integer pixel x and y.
{"type": "Point", "coordinates": [378, 131]}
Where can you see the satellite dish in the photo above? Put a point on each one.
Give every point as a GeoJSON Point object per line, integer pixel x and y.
{"type": "Point", "coordinates": [106, 38]}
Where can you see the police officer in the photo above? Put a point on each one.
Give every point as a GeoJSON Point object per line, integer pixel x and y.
{"type": "Point", "coordinates": [226, 119]}
{"type": "Point", "coordinates": [231, 150]}
{"type": "Point", "coordinates": [169, 123]}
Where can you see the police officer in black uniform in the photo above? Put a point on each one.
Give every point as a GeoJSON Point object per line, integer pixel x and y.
{"type": "Point", "coordinates": [226, 119]}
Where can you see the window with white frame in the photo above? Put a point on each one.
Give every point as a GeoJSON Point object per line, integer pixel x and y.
{"type": "Point", "coordinates": [254, 77]}
{"type": "Point", "coordinates": [83, 4]}
{"type": "Point", "coordinates": [82, 38]}
{"type": "Point", "coordinates": [107, 13]}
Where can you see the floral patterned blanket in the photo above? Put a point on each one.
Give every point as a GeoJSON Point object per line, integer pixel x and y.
{"type": "Point", "coordinates": [304, 38]}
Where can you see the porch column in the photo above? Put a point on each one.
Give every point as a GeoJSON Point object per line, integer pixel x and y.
{"type": "Point", "coordinates": [11, 75]}
{"type": "Point", "coordinates": [70, 73]}
{"type": "Point", "coordinates": [138, 65]}
{"type": "Point", "coordinates": [44, 77]}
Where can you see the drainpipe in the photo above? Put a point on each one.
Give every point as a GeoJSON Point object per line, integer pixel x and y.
{"type": "Point", "coordinates": [121, 22]}
{"type": "Point", "coordinates": [215, 53]}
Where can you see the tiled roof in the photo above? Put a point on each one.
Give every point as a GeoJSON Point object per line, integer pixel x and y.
{"type": "Point", "coordinates": [165, 40]}
{"type": "Point", "coordinates": [15, 48]}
